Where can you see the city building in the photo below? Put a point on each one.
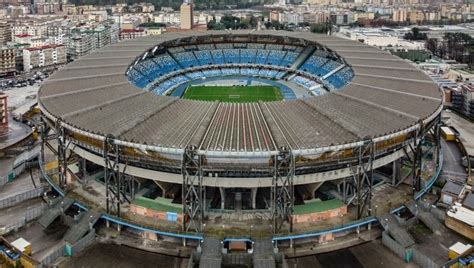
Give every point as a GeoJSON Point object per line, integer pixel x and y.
{"type": "Point", "coordinates": [7, 3]}
{"type": "Point", "coordinates": [131, 33]}
{"type": "Point", "coordinates": [17, 11]}
{"type": "Point", "coordinates": [468, 100]}
{"type": "Point", "coordinates": [460, 217]}
{"type": "Point", "coordinates": [5, 32]}
{"type": "Point", "coordinates": [290, 17]}
{"type": "Point", "coordinates": [147, 7]}
{"type": "Point", "coordinates": [3, 113]}
{"type": "Point", "coordinates": [399, 15]}
{"type": "Point", "coordinates": [22, 38]}
{"type": "Point", "coordinates": [44, 8]}
{"type": "Point", "coordinates": [130, 23]}
{"type": "Point", "coordinates": [463, 100]}
{"type": "Point", "coordinates": [167, 18]}
{"type": "Point", "coordinates": [19, 56]}
{"type": "Point", "coordinates": [7, 61]}
{"type": "Point", "coordinates": [187, 15]}
{"type": "Point", "coordinates": [81, 41]}
{"type": "Point", "coordinates": [153, 30]}
{"type": "Point", "coordinates": [43, 57]}
{"type": "Point", "coordinates": [79, 45]}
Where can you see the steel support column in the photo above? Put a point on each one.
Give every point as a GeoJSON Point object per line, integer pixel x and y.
{"type": "Point", "coordinates": [283, 190]}
{"type": "Point", "coordinates": [112, 176]}
{"type": "Point", "coordinates": [364, 179]}
{"type": "Point", "coordinates": [43, 129]}
{"type": "Point", "coordinates": [437, 137]}
{"type": "Point", "coordinates": [192, 191]}
{"type": "Point", "coordinates": [417, 157]}
{"type": "Point", "coordinates": [62, 151]}
{"type": "Point", "coordinates": [59, 134]}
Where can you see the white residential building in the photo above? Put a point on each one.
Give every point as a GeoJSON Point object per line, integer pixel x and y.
{"type": "Point", "coordinates": [43, 57]}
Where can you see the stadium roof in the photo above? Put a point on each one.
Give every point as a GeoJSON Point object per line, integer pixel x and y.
{"type": "Point", "coordinates": [386, 96]}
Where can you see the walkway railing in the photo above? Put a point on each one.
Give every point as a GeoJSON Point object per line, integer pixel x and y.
{"type": "Point", "coordinates": [342, 228]}
{"type": "Point", "coordinates": [116, 220]}
{"type": "Point", "coordinates": [19, 165]}
{"type": "Point", "coordinates": [370, 220]}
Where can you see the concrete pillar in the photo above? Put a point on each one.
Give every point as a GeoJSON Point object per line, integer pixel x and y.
{"type": "Point", "coordinates": [222, 191]}
{"type": "Point", "coordinates": [164, 186]}
{"type": "Point", "coordinates": [204, 201]}
{"type": "Point", "coordinates": [312, 187]}
{"type": "Point", "coordinates": [396, 171]}
{"type": "Point", "coordinates": [253, 195]}
{"type": "Point", "coordinates": [83, 171]}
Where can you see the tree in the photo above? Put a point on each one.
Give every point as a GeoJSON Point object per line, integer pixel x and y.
{"type": "Point", "coordinates": [275, 25]}
{"type": "Point", "coordinates": [432, 45]}
{"type": "Point", "coordinates": [455, 46]}
{"type": "Point", "coordinates": [458, 46]}
{"type": "Point", "coordinates": [231, 22]}
{"type": "Point", "coordinates": [319, 28]}
{"type": "Point", "coordinates": [415, 35]}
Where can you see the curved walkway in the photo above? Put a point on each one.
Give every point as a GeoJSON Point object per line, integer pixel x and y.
{"type": "Point", "coordinates": [276, 239]}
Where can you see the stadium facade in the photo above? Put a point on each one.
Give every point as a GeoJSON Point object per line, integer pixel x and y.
{"type": "Point", "coordinates": [120, 110]}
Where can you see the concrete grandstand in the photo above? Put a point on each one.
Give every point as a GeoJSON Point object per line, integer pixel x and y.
{"type": "Point", "coordinates": [121, 128]}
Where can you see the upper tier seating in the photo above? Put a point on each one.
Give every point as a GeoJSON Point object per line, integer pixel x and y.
{"type": "Point", "coordinates": [186, 59]}
{"type": "Point", "coordinates": [313, 65]}
{"type": "Point", "coordinates": [218, 56]}
{"type": "Point", "coordinates": [167, 64]}
{"type": "Point", "coordinates": [137, 78]}
{"type": "Point", "coordinates": [275, 57]}
{"type": "Point", "coordinates": [204, 57]}
{"type": "Point", "coordinates": [321, 63]}
{"type": "Point", "coordinates": [261, 56]}
{"type": "Point", "coordinates": [231, 55]}
{"type": "Point", "coordinates": [341, 77]}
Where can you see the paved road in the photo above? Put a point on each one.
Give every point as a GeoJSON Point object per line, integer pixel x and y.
{"type": "Point", "coordinates": [17, 131]}
{"type": "Point", "coordinates": [465, 128]}
{"type": "Point", "coordinates": [42, 243]}
{"type": "Point", "coordinates": [452, 167]}
{"type": "Point", "coordinates": [12, 215]}
{"type": "Point", "coordinates": [371, 254]}
{"type": "Point", "coordinates": [20, 184]}
{"type": "Point", "coordinates": [115, 256]}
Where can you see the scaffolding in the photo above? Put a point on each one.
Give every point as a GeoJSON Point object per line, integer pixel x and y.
{"type": "Point", "coordinates": [117, 185]}
{"type": "Point", "coordinates": [192, 190]}
{"type": "Point", "coordinates": [437, 138]}
{"type": "Point", "coordinates": [282, 192]}
{"type": "Point", "coordinates": [364, 179]}
{"type": "Point", "coordinates": [63, 159]}
{"type": "Point", "coordinates": [417, 150]}
{"type": "Point", "coordinates": [58, 134]}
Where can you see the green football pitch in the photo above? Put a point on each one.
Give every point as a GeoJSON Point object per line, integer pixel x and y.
{"type": "Point", "coordinates": [233, 93]}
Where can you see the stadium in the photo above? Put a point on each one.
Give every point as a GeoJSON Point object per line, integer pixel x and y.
{"type": "Point", "coordinates": [187, 132]}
